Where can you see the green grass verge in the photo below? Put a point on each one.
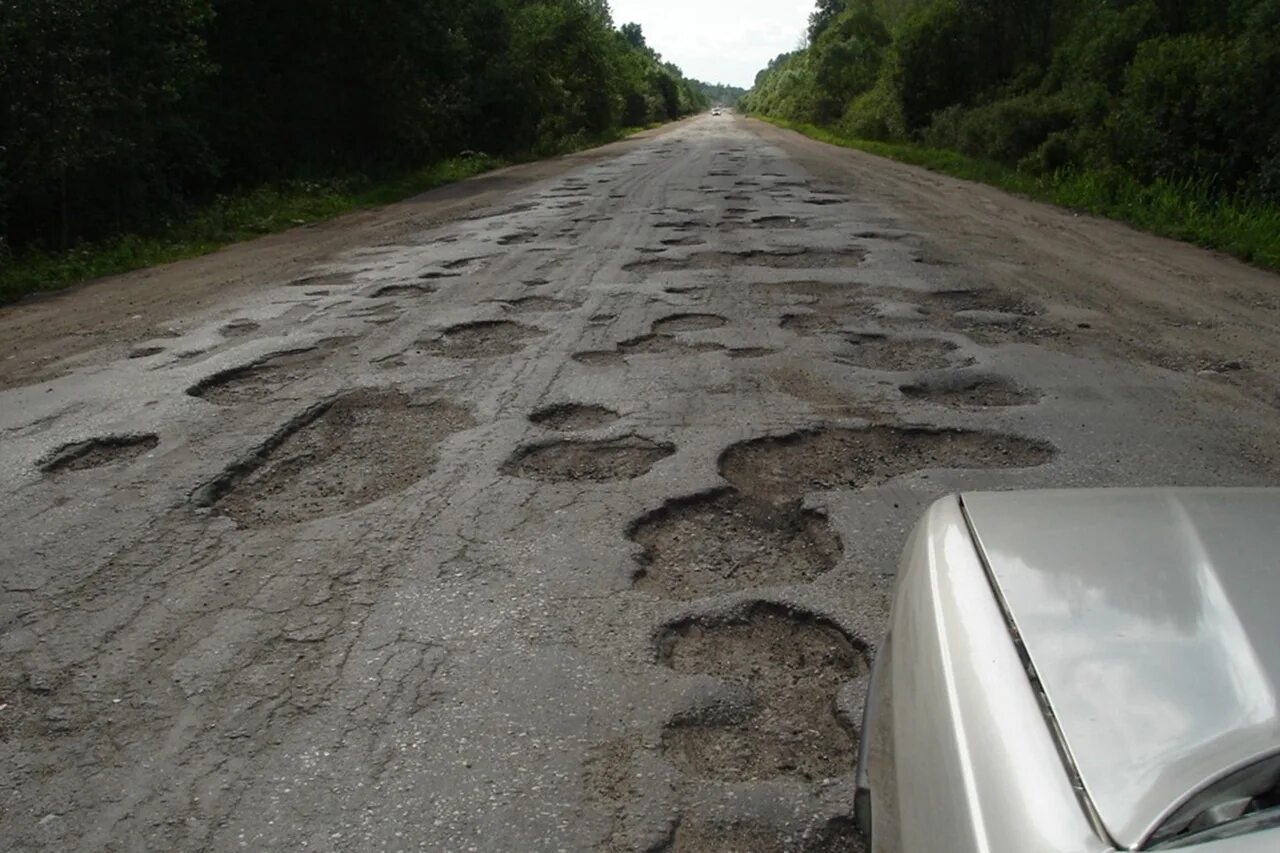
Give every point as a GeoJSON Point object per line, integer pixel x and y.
{"type": "Point", "coordinates": [1184, 211]}
{"type": "Point", "coordinates": [243, 216]}
{"type": "Point", "coordinates": [228, 219]}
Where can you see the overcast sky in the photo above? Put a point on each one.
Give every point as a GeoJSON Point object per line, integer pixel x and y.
{"type": "Point", "coordinates": [719, 41]}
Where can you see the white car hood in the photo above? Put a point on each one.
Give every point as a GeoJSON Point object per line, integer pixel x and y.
{"type": "Point", "coordinates": [1152, 619]}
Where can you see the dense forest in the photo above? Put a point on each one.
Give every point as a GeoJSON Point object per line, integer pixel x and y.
{"type": "Point", "coordinates": [720, 93]}
{"type": "Point", "coordinates": [121, 115]}
{"type": "Point", "coordinates": [1184, 91]}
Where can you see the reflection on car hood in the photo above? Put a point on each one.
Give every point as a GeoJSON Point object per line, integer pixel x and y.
{"type": "Point", "coordinates": [1152, 618]}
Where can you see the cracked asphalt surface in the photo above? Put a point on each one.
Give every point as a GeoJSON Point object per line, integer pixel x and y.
{"type": "Point", "coordinates": [563, 518]}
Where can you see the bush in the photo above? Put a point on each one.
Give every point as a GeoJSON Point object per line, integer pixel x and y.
{"type": "Point", "coordinates": [876, 114]}
{"type": "Point", "coordinates": [1005, 131]}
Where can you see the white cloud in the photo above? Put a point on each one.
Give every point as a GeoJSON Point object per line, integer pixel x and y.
{"type": "Point", "coordinates": [720, 41]}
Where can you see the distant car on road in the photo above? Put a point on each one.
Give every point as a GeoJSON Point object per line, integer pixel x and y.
{"type": "Point", "coordinates": [1081, 671]}
{"type": "Point", "coordinates": [716, 111]}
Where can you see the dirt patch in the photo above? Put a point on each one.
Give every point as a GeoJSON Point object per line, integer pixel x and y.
{"type": "Point", "coordinates": [98, 452]}
{"type": "Point", "coordinates": [335, 457]}
{"type": "Point", "coordinates": [875, 351]}
{"type": "Point", "coordinates": [481, 339]}
{"type": "Point", "coordinates": [793, 258]}
{"type": "Point", "coordinates": [792, 665]}
{"type": "Point", "coordinates": [262, 378]}
{"type": "Point", "coordinates": [965, 389]}
{"type": "Point", "coordinates": [688, 323]}
{"type": "Point", "coordinates": [785, 468]}
{"type": "Point", "coordinates": [570, 417]}
{"type": "Point", "coordinates": [694, 836]}
{"type": "Point", "coordinates": [590, 461]}
{"type": "Point", "coordinates": [722, 542]}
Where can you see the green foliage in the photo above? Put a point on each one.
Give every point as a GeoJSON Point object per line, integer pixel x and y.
{"type": "Point", "coordinates": [1176, 102]}
{"type": "Point", "coordinates": [1186, 210]}
{"type": "Point", "coordinates": [125, 115]}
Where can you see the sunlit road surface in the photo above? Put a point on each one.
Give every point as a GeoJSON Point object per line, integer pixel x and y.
{"type": "Point", "coordinates": [569, 525]}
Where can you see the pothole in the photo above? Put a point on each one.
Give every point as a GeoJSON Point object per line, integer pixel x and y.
{"type": "Point", "coordinates": [517, 238]}
{"type": "Point", "coordinates": [98, 452]}
{"type": "Point", "coordinates": [570, 417]}
{"type": "Point", "coordinates": [145, 352]}
{"type": "Point", "coordinates": [481, 339]}
{"type": "Point", "coordinates": [782, 469]}
{"type": "Point", "coordinates": [588, 461]}
{"type": "Point", "coordinates": [684, 241]}
{"type": "Point", "coordinates": [973, 299]}
{"type": "Point", "coordinates": [324, 280]}
{"type": "Point", "coordinates": [410, 290]}
{"type": "Point", "coordinates": [239, 328]}
{"type": "Point", "coordinates": [751, 352]}
{"type": "Point", "coordinates": [688, 323]}
{"type": "Point", "coordinates": [794, 258]}
{"type": "Point", "coordinates": [538, 304]}
{"type": "Point", "coordinates": [965, 389]}
{"type": "Point", "coordinates": [600, 358]}
{"type": "Point", "coordinates": [723, 541]}
{"type": "Point", "coordinates": [694, 836]}
{"type": "Point", "coordinates": [780, 222]}
{"type": "Point", "coordinates": [792, 665]}
{"type": "Point", "coordinates": [337, 456]}
{"type": "Point", "coordinates": [658, 344]}
{"type": "Point", "coordinates": [260, 379]}
{"type": "Point", "coordinates": [875, 351]}
{"type": "Point", "coordinates": [813, 292]}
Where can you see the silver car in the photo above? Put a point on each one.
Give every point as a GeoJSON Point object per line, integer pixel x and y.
{"type": "Point", "coordinates": [1080, 671]}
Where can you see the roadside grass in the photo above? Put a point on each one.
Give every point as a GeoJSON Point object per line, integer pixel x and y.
{"type": "Point", "coordinates": [1187, 211]}
{"type": "Point", "coordinates": [242, 216]}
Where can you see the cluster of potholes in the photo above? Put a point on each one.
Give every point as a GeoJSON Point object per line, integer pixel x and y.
{"type": "Point", "coordinates": [778, 670]}
{"type": "Point", "coordinates": [664, 338]}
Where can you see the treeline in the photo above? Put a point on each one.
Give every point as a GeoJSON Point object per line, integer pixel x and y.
{"type": "Point", "coordinates": [720, 93]}
{"type": "Point", "coordinates": [1158, 90]}
{"type": "Point", "coordinates": [120, 115]}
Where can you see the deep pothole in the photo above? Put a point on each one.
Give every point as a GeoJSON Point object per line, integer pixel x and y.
{"type": "Point", "coordinates": [588, 461]}
{"type": "Point", "coordinates": [99, 452]}
{"type": "Point", "coordinates": [481, 339]}
{"type": "Point", "coordinates": [967, 389]}
{"type": "Point", "coordinates": [335, 457]}
{"type": "Point", "coordinates": [876, 351]}
{"type": "Point", "coordinates": [782, 469]}
{"type": "Point", "coordinates": [571, 417]}
{"type": "Point", "coordinates": [723, 541]}
{"type": "Point", "coordinates": [260, 379]}
{"type": "Point", "coordinates": [784, 724]}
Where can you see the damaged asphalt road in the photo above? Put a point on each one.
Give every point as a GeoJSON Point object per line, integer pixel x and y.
{"type": "Point", "coordinates": [566, 525]}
